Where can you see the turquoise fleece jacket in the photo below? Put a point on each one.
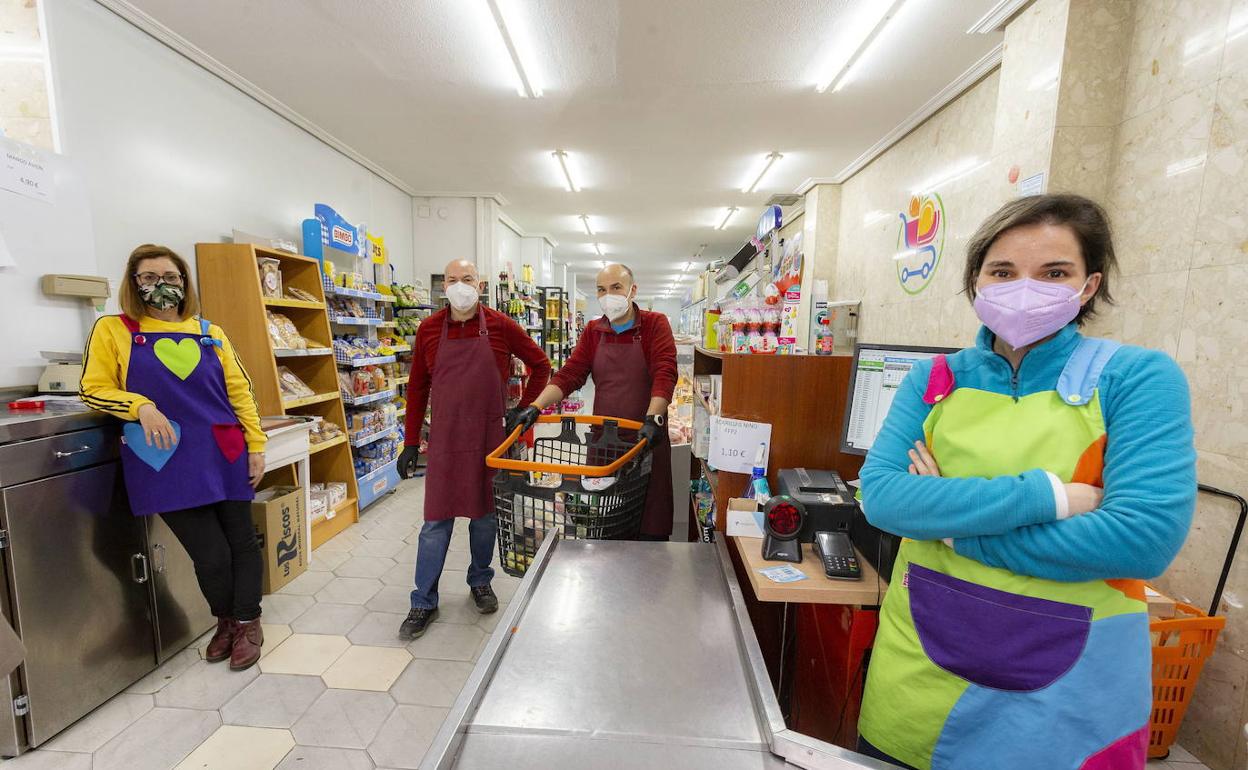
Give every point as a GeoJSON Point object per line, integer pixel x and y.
{"type": "Point", "coordinates": [1011, 521]}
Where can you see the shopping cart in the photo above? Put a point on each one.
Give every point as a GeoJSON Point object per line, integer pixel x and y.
{"type": "Point", "coordinates": [588, 483]}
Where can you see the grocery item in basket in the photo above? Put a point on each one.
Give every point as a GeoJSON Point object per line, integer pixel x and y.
{"type": "Point", "coordinates": [545, 480]}
{"type": "Point", "coordinates": [291, 386]}
{"type": "Point", "coordinates": [270, 277]}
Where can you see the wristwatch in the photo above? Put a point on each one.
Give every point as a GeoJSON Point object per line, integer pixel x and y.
{"type": "Point", "coordinates": [659, 419]}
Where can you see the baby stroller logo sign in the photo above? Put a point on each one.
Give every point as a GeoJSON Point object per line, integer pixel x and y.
{"type": "Point", "coordinates": [920, 242]}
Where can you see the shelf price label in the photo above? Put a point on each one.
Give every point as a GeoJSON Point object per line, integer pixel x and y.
{"type": "Point", "coordinates": [24, 171]}
{"type": "Point", "coordinates": [735, 442]}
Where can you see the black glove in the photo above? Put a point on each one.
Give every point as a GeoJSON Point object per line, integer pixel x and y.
{"type": "Point", "coordinates": [407, 461]}
{"type": "Point", "coordinates": [525, 418]}
{"type": "Point", "coordinates": [652, 430]}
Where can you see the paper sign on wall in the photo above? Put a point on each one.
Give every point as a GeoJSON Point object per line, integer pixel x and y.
{"type": "Point", "coordinates": [734, 443]}
{"type": "Point", "coordinates": [24, 171]}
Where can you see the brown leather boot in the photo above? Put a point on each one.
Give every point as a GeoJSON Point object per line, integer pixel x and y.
{"type": "Point", "coordinates": [222, 641]}
{"type": "Point", "coordinates": [248, 639]}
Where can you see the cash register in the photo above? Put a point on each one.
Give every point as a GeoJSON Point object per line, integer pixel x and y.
{"type": "Point", "coordinates": [877, 373]}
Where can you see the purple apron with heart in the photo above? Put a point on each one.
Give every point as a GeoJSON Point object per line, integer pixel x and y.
{"type": "Point", "coordinates": [182, 374]}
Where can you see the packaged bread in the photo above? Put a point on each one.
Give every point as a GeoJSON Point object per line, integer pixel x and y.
{"type": "Point", "coordinates": [292, 387]}
{"type": "Point", "coordinates": [270, 277]}
{"type": "Point", "coordinates": [284, 333]}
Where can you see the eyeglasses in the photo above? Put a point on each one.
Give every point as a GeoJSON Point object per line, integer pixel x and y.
{"type": "Point", "coordinates": [151, 279]}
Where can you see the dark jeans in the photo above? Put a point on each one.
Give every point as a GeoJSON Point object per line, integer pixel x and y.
{"type": "Point", "coordinates": [435, 538]}
{"type": "Point", "coordinates": [866, 748]}
{"type": "Point", "coordinates": [221, 542]}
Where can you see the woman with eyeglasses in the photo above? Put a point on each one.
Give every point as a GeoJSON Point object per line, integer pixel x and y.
{"type": "Point", "coordinates": [193, 450]}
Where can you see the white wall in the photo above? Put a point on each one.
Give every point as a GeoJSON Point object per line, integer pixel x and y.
{"type": "Point", "coordinates": [670, 308]}
{"type": "Point", "coordinates": [508, 249]}
{"type": "Point", "coordinates": [443, 229]}
{"type": "Point", "coordinates": [168, 153]}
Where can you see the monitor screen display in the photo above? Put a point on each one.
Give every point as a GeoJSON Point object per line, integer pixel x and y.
{"type": "Point", "coordinates": [877, 374]}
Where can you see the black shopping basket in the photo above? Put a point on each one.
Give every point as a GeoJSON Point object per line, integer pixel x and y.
{"type": "Point", "coordinates": [587, 483]}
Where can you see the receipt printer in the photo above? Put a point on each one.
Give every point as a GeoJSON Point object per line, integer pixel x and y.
{"type": "Point", "coordinates": [829, 503]}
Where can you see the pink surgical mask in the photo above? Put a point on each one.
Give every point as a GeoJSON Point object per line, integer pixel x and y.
{"type": "Point", "coordinates": [1024, 311]}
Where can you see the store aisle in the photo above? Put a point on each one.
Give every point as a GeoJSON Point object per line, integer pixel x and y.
{"type": "Point", "coordinates": [336, 688]}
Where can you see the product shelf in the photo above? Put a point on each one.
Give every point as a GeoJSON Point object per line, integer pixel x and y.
{"type": "Point", "coordinates": [397, 381]}
{"type": "Point", "coordinates": [291, 353]}
{"type": "Point", "coordinates": [293, 303]}
{"type": "Point", "coordinates": [321, 447]}
{"type": "Point", "coordinates": [358, 362]}
{"type": "Point", "coordinates": [384, 395]}
{"type": "Point", "coordinates": [319, 398]}
{"type": "Point", "coordinates": [413, 309]}
{"type": "Point", "coordinates": [373, 437]}
{"type": "Point", "coordinates": [347, 320]}
{"type": "Point", "coordinates": [342, 291]}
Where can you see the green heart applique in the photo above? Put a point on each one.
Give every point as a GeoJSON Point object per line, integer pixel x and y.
{"type": "Point", "coordinates": [181, 358]}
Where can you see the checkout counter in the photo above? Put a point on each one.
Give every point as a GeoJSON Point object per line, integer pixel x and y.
{"type": "Point", "coordinates": [626, 655]}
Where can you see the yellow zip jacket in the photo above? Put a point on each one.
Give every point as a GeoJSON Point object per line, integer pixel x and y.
{"type": "Point", "coordinates": [107, 359]}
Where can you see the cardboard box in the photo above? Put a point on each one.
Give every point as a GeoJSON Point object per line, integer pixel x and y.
{"type": "Point", "coordinates": [280, 521]}
{"type": "Point", "coordinates": [744, 518]}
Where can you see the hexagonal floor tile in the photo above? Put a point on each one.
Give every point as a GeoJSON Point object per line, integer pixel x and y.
{"type": "Point", "coordinates": [329, 618]}
{"type": "Point", "coordinates": [367, 668]}
{"type": "Point", "coordinates": [273, 700]}
{"type": "Point", "coordinates": [344, 719]}
{"type": "Point", "coordinates": [345, 590]}
{"type": "Point", "coordinates": [448, 641]}
{"type": "Point", "coordinates": [240, 748]}
{"type": "Point", "coordinates": [309, 654]}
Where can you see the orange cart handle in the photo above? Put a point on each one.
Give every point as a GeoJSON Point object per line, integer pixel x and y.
{"type": "Point", "coordinates": [496, 460]}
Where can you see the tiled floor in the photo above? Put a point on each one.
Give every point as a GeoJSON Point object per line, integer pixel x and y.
{"type": "Point", "coordinates": [336, 688]}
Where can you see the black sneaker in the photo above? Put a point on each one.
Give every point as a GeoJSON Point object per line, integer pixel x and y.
{"type": "Point", "coordinates": [417, 623]}
{"type": "Point", "coordinates": [485, 599]}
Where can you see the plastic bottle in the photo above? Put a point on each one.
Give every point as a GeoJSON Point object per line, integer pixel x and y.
{"type": "Point", "coordinates": [759, 489]}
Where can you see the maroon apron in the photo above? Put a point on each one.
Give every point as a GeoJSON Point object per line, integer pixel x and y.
{"type": "Point", "coordinates": [467, 397]}
{"type": "Point", "coordinates": [182, 374]}
{"type": "Point", "coordinates": [622, 389]}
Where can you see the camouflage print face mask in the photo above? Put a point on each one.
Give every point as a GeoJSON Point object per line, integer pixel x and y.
{"type": "Point", "coordinates": [162, 296]}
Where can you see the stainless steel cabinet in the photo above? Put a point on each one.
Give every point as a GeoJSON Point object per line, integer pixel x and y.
{"type": "Point", "coordinates": [182, 613]}
{"type": "Point", "coordinates": [78, 578]}
{"type": "Point", "coordinates": [98, 596]}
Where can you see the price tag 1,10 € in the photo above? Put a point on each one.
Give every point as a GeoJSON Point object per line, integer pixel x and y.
{"type": "Point", "coordinates": [734, 444]}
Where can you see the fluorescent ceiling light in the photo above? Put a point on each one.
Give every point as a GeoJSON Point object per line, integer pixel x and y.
{"type": "Point", "coordinates": [562, 157]}
{"type": "Point", "coordinates": [996, 17]}
{"type": "Point", "coordinates": [838, 75]}
{"type": "Point", "coordinates": [963, 168]}
{"type": "Point", "coordinates": [527, 87]}
{"type": "Point", "coordinates": [727, 216]}
{"type": "Point", "coordinates": [585, 221]}
{"type": "Point", "coordinates": [1185, 165]}
{"type": "Point", "coordinates": [768, 162]}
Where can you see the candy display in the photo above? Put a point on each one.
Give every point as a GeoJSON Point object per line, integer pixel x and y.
{"type": "Point", "coordinates": [291, 386]}
{"type": "Point", "coordinates": [270, 277]}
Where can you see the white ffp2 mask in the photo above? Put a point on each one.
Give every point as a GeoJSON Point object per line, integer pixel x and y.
{"type": "Point", "coordinates": [615, 306]}
{"type": "Point", "coordinates": [462, 296]}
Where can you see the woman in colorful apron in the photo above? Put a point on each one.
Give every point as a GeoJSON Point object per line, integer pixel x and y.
{"type": "Point", "coordinates": [1037, 478]}
{"type": "Point", "coordinates": [193, 449]}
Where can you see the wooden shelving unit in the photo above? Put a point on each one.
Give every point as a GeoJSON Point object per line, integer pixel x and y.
{"type": "Point", "coordinates": [801, 397]}
{"type": "Point", "coordinates": [229, 282]}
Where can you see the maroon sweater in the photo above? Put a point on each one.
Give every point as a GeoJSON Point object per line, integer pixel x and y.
{"type": "Point", "coordinates": [657, 344]}
{"type": "Point", "coordinates": [507, 339]}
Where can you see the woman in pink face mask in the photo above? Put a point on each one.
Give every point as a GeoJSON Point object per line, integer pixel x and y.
{"type": "Point", "coordinates": [1037, 478]}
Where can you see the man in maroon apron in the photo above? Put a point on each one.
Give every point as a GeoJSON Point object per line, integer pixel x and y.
{"type": "Point", "coordinates": [631, 355]}
{"type": "Point", "coordinates": [460, 365]}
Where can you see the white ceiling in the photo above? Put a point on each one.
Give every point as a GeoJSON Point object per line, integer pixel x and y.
{"type": "Point", "coordinates": [665, 107]}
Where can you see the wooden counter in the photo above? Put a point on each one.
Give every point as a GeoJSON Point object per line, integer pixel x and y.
{"type": "Point", "coordinates": [818, 589]}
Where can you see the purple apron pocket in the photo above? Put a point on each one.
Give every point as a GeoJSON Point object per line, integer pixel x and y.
{"type": "Point", "coordinates": [994, 638]}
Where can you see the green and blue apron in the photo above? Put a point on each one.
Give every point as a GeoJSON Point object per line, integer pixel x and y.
{"type": "Point", "coordinates": [979, 667]}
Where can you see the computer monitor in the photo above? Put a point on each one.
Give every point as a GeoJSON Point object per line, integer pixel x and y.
{"type": "Point", "coordinates": [877, 373]}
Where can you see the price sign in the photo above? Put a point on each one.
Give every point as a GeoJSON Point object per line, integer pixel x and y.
{"type": "Point", "coordinates": [734, 443]}
{"type": "Point", "coordinates": [23, 171]}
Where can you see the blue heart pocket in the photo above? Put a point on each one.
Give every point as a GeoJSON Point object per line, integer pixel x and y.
{"type": "Point", "coordinates": [136, 440]}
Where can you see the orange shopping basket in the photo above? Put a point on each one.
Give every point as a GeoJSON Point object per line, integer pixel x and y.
{"type": "Point", "coordinates": [588, 483]}
{"type": "Point", "coordinates": [1181, 645]}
